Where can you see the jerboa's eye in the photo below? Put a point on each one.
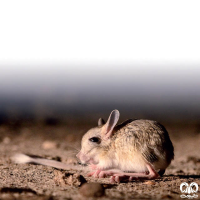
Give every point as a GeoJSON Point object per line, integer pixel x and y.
{"type": "Point", "coordinates": [95, 140]}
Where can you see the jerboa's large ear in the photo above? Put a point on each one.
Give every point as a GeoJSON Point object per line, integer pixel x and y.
{"type": "Point", "coordinates": [110, 124]}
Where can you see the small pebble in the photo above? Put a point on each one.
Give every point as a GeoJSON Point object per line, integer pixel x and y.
{"type": "Point", "coordinates": [92, 190]}
{"type": "Point", "coordinates": [149, 182]}
{"type": "Point", "coordinates": [6, 140]}
{"type": "Point", "coordinates": [49, 145]}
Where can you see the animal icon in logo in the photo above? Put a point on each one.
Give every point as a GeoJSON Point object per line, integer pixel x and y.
{"type": "Point", "coordinates": [189, 190]}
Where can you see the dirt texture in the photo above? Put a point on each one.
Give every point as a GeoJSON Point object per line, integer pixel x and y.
{"type": "Point", "coordinates": [28, 181]}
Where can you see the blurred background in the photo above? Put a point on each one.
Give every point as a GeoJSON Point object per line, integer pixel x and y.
{"type": "Point", "coordinates": [75, 88]}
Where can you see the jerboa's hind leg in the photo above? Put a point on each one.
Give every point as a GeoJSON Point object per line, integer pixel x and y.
{"type": "Point", "coordinates": [151, 174]}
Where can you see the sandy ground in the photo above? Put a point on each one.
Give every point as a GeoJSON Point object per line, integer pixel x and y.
{"type": "Point", "coordinates": [28, 181]}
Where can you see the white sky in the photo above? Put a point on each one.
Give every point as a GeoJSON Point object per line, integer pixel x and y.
{"type": "Point", "coordinates": [100, 57]}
